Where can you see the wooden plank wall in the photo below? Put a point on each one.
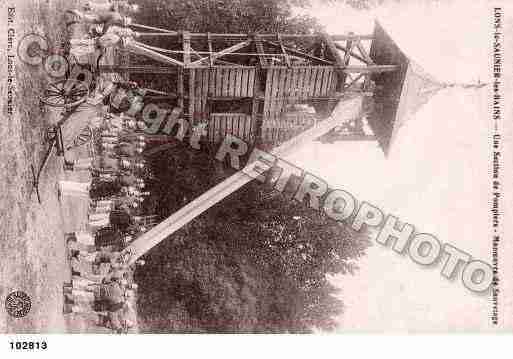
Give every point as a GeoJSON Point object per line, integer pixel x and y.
{"type": "Point", "coordinates": [284, 127]}
{"type": "Point", "coordinates": [219, 82]}
{"type": "Point", "coordinates": [285, 86]}
{"type": "Point", "coordinates": [237, 124]}
{"type": "Point", "coordinates": [291, 85]}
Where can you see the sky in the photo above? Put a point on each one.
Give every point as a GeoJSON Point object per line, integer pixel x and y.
{"type": "Point", "coordinates": [436, 176]}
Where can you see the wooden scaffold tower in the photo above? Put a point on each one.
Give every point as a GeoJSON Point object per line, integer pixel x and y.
{"type": "Point", "coordinates": [277, 91]}
{"type": "Point", "coordinates": [262, 88]}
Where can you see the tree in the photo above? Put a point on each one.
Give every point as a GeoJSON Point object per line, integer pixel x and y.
{"type": "Point", "coordinates": [256, 262]}
{"type": "Point", "coordinates": [225, 16]}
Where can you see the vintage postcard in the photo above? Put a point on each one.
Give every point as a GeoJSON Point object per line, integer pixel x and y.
{"type": "Point", "coordinates": [240, 166]}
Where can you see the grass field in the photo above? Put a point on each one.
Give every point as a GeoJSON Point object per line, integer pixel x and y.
{"type": "Point", "coordinates": [31, 234]}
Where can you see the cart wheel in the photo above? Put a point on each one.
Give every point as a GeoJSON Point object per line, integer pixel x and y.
{"type": "Point", "coordinates": [65, 93]}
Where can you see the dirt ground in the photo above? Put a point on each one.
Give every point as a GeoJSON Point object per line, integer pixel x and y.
{"type": "Point", "coordinates": [32, 244]}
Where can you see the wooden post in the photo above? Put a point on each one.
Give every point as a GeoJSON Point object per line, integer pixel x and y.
{"type": "Point", "coordinates": [210, 49]}
{"type": "Point", "coordinates": [347, 58]}
{"type": "Point", "coordinates": [192, 97]}
{"type": "Point", "coordinates": [186, 38]}
{"type": "Point", "coordinates": [179, 87]}
{"type": "Point", "coordinates": [341, 63]}
{"type": "Point", "coordinates": [256, 126]}
{"type": "Point", "coordinates": [287, 58]}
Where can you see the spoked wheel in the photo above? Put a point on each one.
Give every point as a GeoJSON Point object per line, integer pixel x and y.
{"type": "Point", "coordinates": [65, 93]}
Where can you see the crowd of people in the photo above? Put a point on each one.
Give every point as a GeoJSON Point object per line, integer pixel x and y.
{"type": "Point", "coordinates": [101, 277]}
{"type": "Point", "coordinates": [102, 271]}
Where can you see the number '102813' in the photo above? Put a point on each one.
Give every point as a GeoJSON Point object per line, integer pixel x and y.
{"type": "Point", "coordinates": [28, 345]}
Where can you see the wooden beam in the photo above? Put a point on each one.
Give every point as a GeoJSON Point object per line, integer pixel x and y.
{"type": "Point", "coordinates": [186, 38]}
{"type": "Point", "coordinates": [192, 97]}
{"type": "Point", "coordinates": [350, 37]}
{"type": "Point", "coordinates": [345, 110]}
{"type": "Point", "coordinates": [340, 47]}
{"type": "Point", "coordinates": [247, 36]}
{"type": "Point", "coordinates": [168, 32]}
{"type": "Point", "coordinates": [282, 48]}
{"type": "Point", "coordinates": [223, 52]}
{"type": "Point", "coordinates": [260, 50]}
{"type": "Point", "coordinates": [284, 36]}
{"type": "Point", "coordinates": [210, 49]}
{"type": "Point", "coordinates": [353, 68]}
{"type": "Point", "coordinates": [256, 127]}
{"type": "Point", "coordinates": [138, 69]}
{"type": "Point", "coordinates": [301, 54]}
{"type": "Point", "coordinates": [133, 47]}
{"type": "Point", "coordinates": [179, 88]}
{"type": "Point", "coordinates": [196, 53]}
{"type": "Point", "coordinates": [364, 53]}
{"type": "Point", "coordinates": [349, 48]}
{"type": "Point", "coordinates": [370, 69]}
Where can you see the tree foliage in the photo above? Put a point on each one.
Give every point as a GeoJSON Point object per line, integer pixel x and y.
{"type": "Point", "coordinates": [256, 262]}
{"type": "Point", "coordinates": [225, 16]}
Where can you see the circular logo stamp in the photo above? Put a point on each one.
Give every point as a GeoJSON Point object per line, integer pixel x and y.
{"type": "Point", "coordinates": [18, 304]}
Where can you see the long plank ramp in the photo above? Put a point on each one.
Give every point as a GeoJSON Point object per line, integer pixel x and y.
{"type": "Point", "coordinates": [344, 111]}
